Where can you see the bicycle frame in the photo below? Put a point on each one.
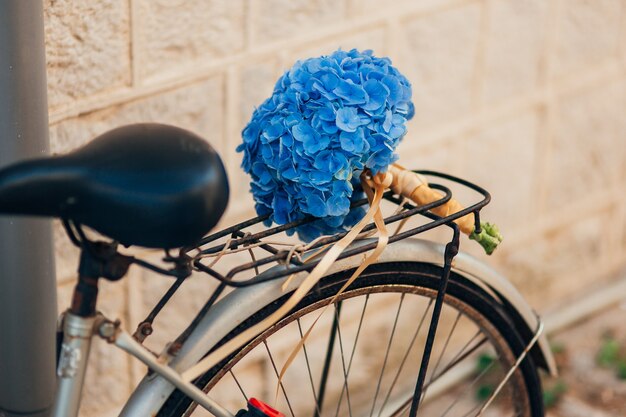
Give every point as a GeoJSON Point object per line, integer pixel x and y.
{"type": "Point", "coordinates": [74, 356]}
{"type": "Point", "coordinates": [81, 322]}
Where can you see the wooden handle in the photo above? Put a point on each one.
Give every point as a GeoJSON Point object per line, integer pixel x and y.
{"type": "Point", "coordinates": [415, 187]}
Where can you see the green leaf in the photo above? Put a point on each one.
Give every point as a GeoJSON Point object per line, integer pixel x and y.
{"type": "Point", "coordinates": [608, 355]}
{"type": "Point", "coordinates": [489, 237]}
{"type": "Point", "coordinates": [483, 362]}
{"type": "Point", "coordinates": [484, 391]}
{"type": "Point", "coordinates": [553, 394]}
{"type": "Point", "coordinates": [621, 369]}
{"type": "Point", "coordinates": [557, 347]}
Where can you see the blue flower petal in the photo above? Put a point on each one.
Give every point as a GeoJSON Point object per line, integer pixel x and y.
{"type": "Point", "coordinates": [347, 119]}
{"type": "Point", "coordinates": [338, 205]}
{"type": "Point", "coordinates": [273, 131]}
{"type": "Point", "coordinates": [287, 170]}
{"type": "Point", "coordinates": [282, 207]}
{"type": "Point", "coordinates": [320, 178]}
{"type": "Point", "coordinates": [302, 132]}
{"type": "Point", "coordinates": [251, 132]}
{"type": "Point", "coordinates": [330, 128]}
{"type": "Point", "coordinates": [378, 94]}
{"type": "Point", "coordinates": [338, 162]}
{"type": "Point", "coordinates": [387, 122]}
{"type": "Point", "coordinates": [327, 113]}
{"type": "Point", "coordinates": [329, 80]}
{"type": "Point", "coordinates": [395, 89]}
{"type": "Point", "coordinates": [330, 222]}
{"type": "Point", "coordinates": [323, 160]}
{"type": "Point", "coordinates": [316, 206]}
{"type": "Point", "coordinates": [286, 140]}
{"type": "Point", "coordinates": [353, 142]}
{"type": "Point", "coordinates": [350, 92]}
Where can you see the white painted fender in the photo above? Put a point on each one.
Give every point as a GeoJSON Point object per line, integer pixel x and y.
{"type": "Point", "coordinates": [237, 306]}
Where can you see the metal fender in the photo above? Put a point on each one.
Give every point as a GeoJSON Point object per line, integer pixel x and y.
{"type": "Point", "coordinates": [237, 306]}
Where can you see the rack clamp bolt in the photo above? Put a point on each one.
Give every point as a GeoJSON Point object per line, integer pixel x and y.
{"type": "Point", "coordinates": [108, 330]}
{"type": "Point", "coordinates": [144, 329]}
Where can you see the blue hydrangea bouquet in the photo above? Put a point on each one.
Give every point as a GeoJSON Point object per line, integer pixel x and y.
{"type": "Point", "coordinates": [328, 120]}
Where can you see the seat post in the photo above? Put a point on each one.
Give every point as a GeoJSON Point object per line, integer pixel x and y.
{"type": "Point", "coordinates": [79, 325]}
{"type": "Point", "coordinates": [97, 260]}
{"type": "Point", "coordinates": [85, 294]}
{"type": "Point", "coordinates": [85, 297]}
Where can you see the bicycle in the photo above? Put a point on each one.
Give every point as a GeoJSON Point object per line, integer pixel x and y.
{"type": "Point", "coordinates": [162, 187]}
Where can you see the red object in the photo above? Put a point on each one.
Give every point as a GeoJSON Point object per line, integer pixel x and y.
{"type": "Point", "coordinates": [264, 408]}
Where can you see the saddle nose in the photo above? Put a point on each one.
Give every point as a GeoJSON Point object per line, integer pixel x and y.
{"type": "Point", "coordinates": [150, 185]}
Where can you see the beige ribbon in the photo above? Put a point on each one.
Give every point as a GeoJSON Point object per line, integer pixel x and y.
{"type": "Point", "coordinates": [379, 183]}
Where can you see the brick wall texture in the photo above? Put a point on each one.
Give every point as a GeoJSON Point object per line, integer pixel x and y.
{"type": "Point", "coordinates": [525, 97]}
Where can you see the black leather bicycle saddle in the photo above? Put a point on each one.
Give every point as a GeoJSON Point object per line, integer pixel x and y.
{"type": "Point", "coordinates": [149, 185]}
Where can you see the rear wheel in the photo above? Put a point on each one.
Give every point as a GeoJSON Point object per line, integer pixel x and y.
{"type": "Point", "coordinates": [363, 356]}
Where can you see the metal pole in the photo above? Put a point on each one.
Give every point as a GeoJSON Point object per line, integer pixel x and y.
{"type": "Point", "coordinates": [27, 280]}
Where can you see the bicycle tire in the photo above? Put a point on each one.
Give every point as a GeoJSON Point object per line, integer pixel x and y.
{"type": "Point", "coordinates": [390, 278]}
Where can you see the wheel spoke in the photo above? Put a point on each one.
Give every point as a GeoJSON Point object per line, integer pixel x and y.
{"type": "Point", "coordinates": [443, 351]}
{"type": "Point", "coordinates": [461, 355]}
{"type": "Point", "coordinates": [445, 346]}
{"type": "Point", "coordinates": [238, 384]}
{"type": "Point", "coordinates": [406, 355]}
{"type": "Point", "coordinates": [403, 408]}
{"type": "Point", "coordinates": [327, 361]}
{"type": "Point", "coordinates": [280, 383]}
{"type": "Point", "coordinates": [356, 339]}
{"type": "Point", "coordinates": [458, 358]}
{"type": "Point", "coordinates": [382, 371]}
{"type": "Point", "coordinates": [343, 365]}
{"type": "Point", "coordinates": [308, 367]}
{"type": "Point", "coordinates": [469, 388]}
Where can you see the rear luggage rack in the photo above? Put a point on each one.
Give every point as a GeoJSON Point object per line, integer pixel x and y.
{"type": "Point", "coordinates": [238, 236]}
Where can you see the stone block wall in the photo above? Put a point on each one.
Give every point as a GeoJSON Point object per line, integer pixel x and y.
{"type": "Point", "coordinates": [525, 97]}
